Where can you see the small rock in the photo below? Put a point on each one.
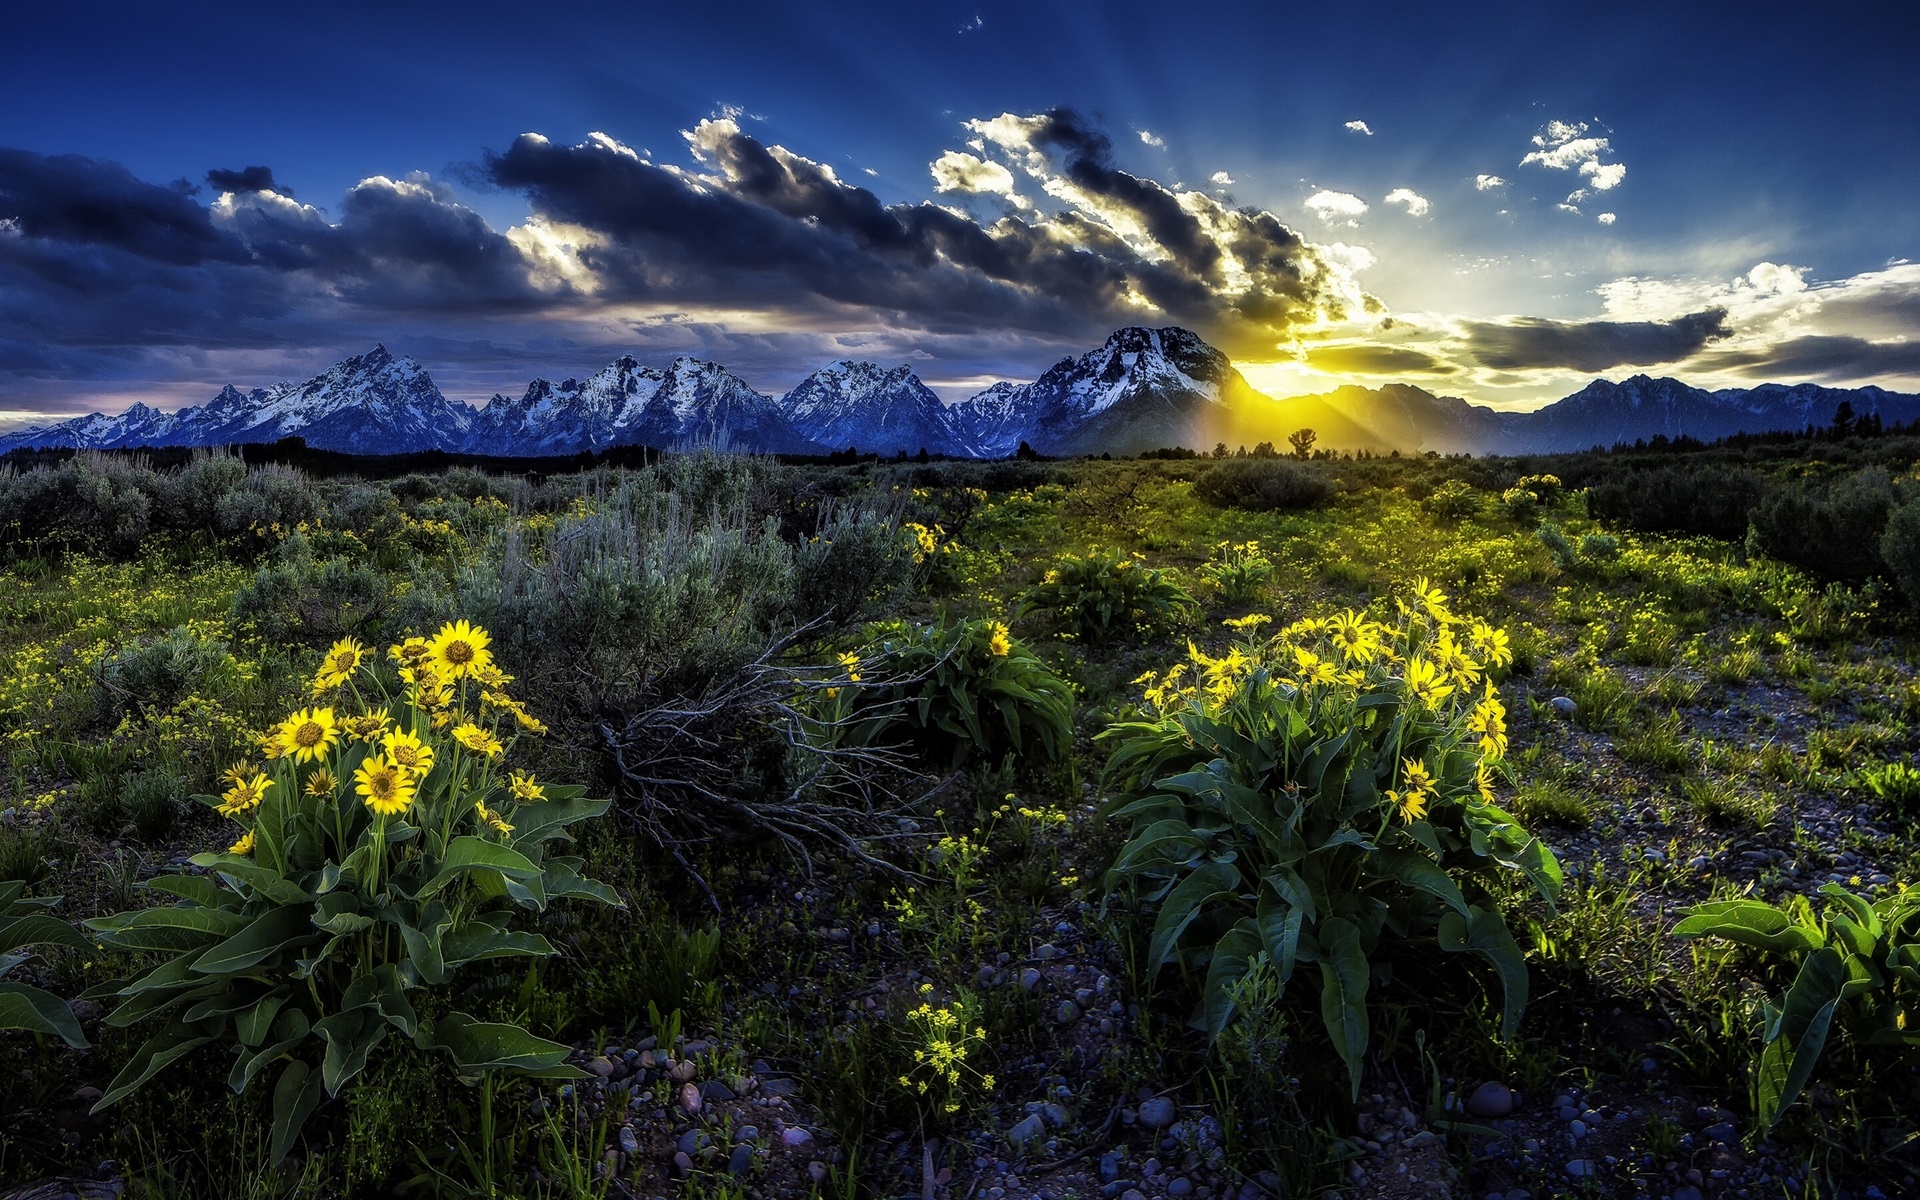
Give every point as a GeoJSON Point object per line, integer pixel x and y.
{"type": "Point", "coordinates": [1722, 1133]}
{"type": "Point", "coordinates": [1045, 952]}
{"type": "Point", "coordinates": [1687, 1192]}
{"type": "Point", "coordinates": [601, 1066]}
{"type": "Point", "coordinates": [817, 1171]}
{"type": "Point", "coordinates": [740, 1161]}
{"type": "Point", "coordinates": [1067, 1013]}
{"type": "Point", "coordinates": [1029, 979]}
{"type": "Point", "coordinates": [794, 1137]}
{"type": "Point", "coordinates": [690, 1097]}
{"type": "Point", "coordinates": [1057, 1115]}
{"type": "Point", "coordinates": [1577, 1128]}
{"type": "Point", "coordinates": [682, 1071]}
{"type": "Point", "coordinates": [1180, 1187]}
{"type": "Point", "coordinates": [1580, 1168]}
{"type": "Point", "coordinates": [1563, 706]}
{"type": "Point", "coordinates": [1109, 1166]}
{"type": "Point", "coordinates": [629, 1141]}
{"type": "Point", "coordinates": [780, 1087]}
{"type": "Point", "coordinates": [714, 1089]}
{"type": "Point", "coordinates": [1133, 1194]}
{"type": "Point", "coordinates": [748, 1133]}
{"type": "Point", "coordinates": [1158, 1113]}
{"type": "Point", "coordinates": [682, 1164]}
{"type": "Point", "coordinates": [1030, 1129]}
{"type": "Point", "coordinates": [1491, 1099]}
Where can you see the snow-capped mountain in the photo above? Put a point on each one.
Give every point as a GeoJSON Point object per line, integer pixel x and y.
{"type": "Point", "coordinates": [624, 404]}
{"type": "Point", "coordinates": [874, 409]}
{"type": "Point", "coordinates": [371, 403]}
{"type": "Point", "coordinates": [1142, 389]}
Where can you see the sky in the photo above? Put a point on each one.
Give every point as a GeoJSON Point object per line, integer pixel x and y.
{"type": "Point", "coordinates": [1500, 202]}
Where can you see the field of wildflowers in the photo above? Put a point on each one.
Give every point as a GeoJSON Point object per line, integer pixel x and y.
{"type": "Point", "coordinates": [722, 828]}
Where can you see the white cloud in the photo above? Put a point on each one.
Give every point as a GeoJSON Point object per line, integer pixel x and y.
{"type": "Point", "coordinates": [1606, 218]}
{"type": "Point", "coordinates": [871, 171]}
{"type": "Point", "coordinates": [1563, 146]}
{"type": "Point", "coordinates": [1151, 138]}
{"type": "Point", "coordinates": [1568, 208]}
{"type": "Point", "coordinates": [1223, 179]}
{"type": "Point", "coordinates": [1359, 127]}
{"type": "Point", "coordinates": [958, 171]}
{"type": "Point", "coordinates": [1417, 205]}
{"type": "Point", "coordinates": [1605, 177]}
{"type": "Point", "coordinates": [1336, 206]}
{"type": "Point", "coordinates": [1486, 183]}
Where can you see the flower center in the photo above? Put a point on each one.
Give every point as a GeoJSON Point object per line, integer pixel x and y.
{"type": "Point", "coordinates": [459, 653]}
{"type": "Point", "coordinates": [309, 735]}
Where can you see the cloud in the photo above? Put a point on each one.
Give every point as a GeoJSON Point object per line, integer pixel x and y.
{"type": "Point", "coordinates": [958, 171]}
{"type": "Point", "coordinates": [1820, 356]}
{"type": "Point", "coordinates": [1365, 358]}
{"type": "Point", "coordinates": [1486, 183]}
{"type": "Point", "coordinates": [1606, 218]}
{"type": "Point", "coordinates": [1358, 127]}
{"type": "Point", "coordinates": [1565, 145]}
{"type": "Point", "coordinates": [247, 179]}
{"type": "Point", "coordinates": [1222, 178]}
{"type": "Point", "coordinates": [1336, 206]}
{"type": "Point", "coordinates": [74, 200]}
{"type": "Point", "coordinates": [1533, 343]}
{"type": "Point", "coordinates": [1417, 204]}
{"type": "Point", "coordinates": [1150, 138]}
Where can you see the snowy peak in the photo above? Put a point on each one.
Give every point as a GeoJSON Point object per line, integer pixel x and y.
{"type": "Point", "coordinates": [873, 408]}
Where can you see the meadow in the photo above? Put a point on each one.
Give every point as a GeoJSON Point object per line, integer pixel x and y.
{"type": "Point", "coordinates": [1181, 826]}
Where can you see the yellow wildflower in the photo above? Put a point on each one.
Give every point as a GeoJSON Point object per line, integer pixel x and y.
{"type": "Point", "coordinates": [491, 819]}
{"type": "Point", "coordinates": [1001, 640]}
{"type": "Point", "coordinates": [322, 784]}
{"type": "Point", "coordinates": [1427, 682]}
{"type": "Point", "coordinates": [340, 663]}
{"type": "Point", "coordinates": [478, 740]}
{"type": "Point", "coordinates": [385, 786]}
{"type": "Point", "coordinates": [309, 734]}
{"type": "Point", "coordinates": [244, 846]}
{"type": "Point", "coordinates": [367, 727]}
{"type": "Point", "coordinates": [524, 788]}
{"type": "Point", "coordinates": [459, 650]}
{"type": "Point", "coordinates": [1355, 637]}
{"type": "Point", "coordinates": [1491, 644]}
{"type": "Point", "coordinates": [244, 795]}
{"type": "Point", "coordinates": [408, 752]}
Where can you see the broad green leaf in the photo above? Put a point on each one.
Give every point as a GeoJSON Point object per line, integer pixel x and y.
{"type": "Point", "coordinates": [173, 928]}
{"type": "Point", "coordinates": [149, 1060]}
{"type": "Point", "coordinates": [30, 1008]}
{"type": "Point", "coordinates": [253, 1027]}
{"type": "Point", "coordinates": [487, 1046]}
{"type": "Point", "coordinates": [1183, 904]}
{"type": "Point", "coordinates": [475, 854]}
{"type": "Point", "coordinates": [1799, 1031]}
{"type": "Point", "coordinates": [295, 1097]}
{"type": "Point", "coordinates": [1751, 923]}
{"type": "Point", "coordinates": [274, 931]}
{"type": "Point", "coordinates": [1485, 933]}
{"type": "Point", "coordinates": [1420, 873]}
{"type": "Point", "coordinates": [263, 879]}
{"type": "Point", "coordinates": [350, 1036]}
{"type": "Point", "coordinates": [1230, 957]}
{"type": "Point", "coordinates": [1343, 994]}
{"type": "Point", "coordinates": [197, 888]}
{"type": "Point", "coordinates": [36, 930]}
{"type": "Point", "coordinates": [475, 943]}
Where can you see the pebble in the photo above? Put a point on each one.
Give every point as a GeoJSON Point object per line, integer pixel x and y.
{"type": "Point", "coordinates": [1030, 1129]}
{"type": "Point", "coordinates": [1109, 1166]}
{"type": "Point", "coordinates": [1067, 1013]}
{"type": "Point", "coordinates": [1030, 979]}
{"type": "Point", "coordinates": [794, 1137]}
{"type": "Point", "coordinates": [629, 1141]}
{"type": "Point", "coordinates": [1577, 1128]}
{"type": "Point", "coordinates": [683, 1163]}
{"type": "Point", "coordinates": [1491, 1099]}
{"type": "Point", "coordinates": [1722, 1133]}
{"type": "Point", "coordinates": [1180, 1187]}
{"type": "Point", "coordinates": [690, 1097]}
{"type": "Point", "coordinates": [713, 1089]}
{"type": "Point", "coordinates": [740, 1161]}
{"type": "Point", "coordinates": [1157, 1113]}
{"type": "Point", "coordinates": [601, 1066]}
{"type": "Point", "coordinates": [1687, 1192]}
{"type": "Point", "coordinates": [1580, 1168]}
{"type": "Point", "coordinates": [1563, 706]}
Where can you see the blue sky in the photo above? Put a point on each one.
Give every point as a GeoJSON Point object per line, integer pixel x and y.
{"type": "Point", "coordinates": [1721, 193]}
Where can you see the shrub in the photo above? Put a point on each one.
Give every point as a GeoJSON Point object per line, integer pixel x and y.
{"type": "Point", "coordinates": [1858, 975]}
{"type": "Point", "coordinates": [1239, 571]}
{"type": "Point", "coordinates": [1262, 485]}
{"type": "Point", "coordinates": [1324, 797]}
{"type": "Point", "coordinates": [1105, 592]}
{"type": "Point", "coordinates": [1453, 500]}
{"type": "Point", "coordinates": [1894, 784]}
{"type": "Point", "coordinates": [1708, 500]}
{"type": "Point", "coordinates": [1555, 540]}
{"type": "Point", "coordinates": [966, 690]}
{"type": "Point", "coordinates": [152, 798]}
{"type": "Point", "coordinates": [383, 847]}
{"type": "Point", "coordinates": [306, 600]}
{"type": "Point", "coordinates": [1832, 530]}
{"type": "Point", "coordinates": [1529, 495]}
{"type": "Point", "coordinates": [155, 675]}
{"type": "Point", "coordinates": [1900, 549]}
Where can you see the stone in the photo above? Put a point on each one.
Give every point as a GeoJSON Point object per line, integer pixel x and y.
{"type": "Point", "coordinates": [693, 1142]}
{"type": "Point", "coordinates": [1133, 1194]}
{"type": "Point", "coordinates": [793, 1137]}
{"type": "Point", "coordinates": [1577, 1128]}
{"type": "Point", "coordinates": [1045, 952]}
{"type": "Point", "coordinates": [629, 1141]}
{"type": "Point", "coordinates": [682, 1164]}
{"type": "Point", "coordinates": [748, 1133]}
{"type": "Point", "coordinates": [1687, 1192]}
{"type": "Point", "coordinates": [601, 1066]}
{"type": "Point", "coordinates": [1580, 1168]}
{"type": "Point", "coordinates": [1563, 706]}
{"type": "Point", "coordinates": [1030, 979]}
{"type": "Point", "coordinates": [714, 1089]}
{"type": "Point", "coordinates": [1158, 1113]}
{"type": "Point", "coordinates": [1180, 1187]}
{"type": "Point", "coordinates": [1722, 1133]}
{"type": "Point", "coordinates": [1067, 1013]}
{"type": "Point", "coordinates": [690, 1097]}
{"type": "Point", "coordinates": [1109, 1166]}
{"type": "Point", "coordinates": [817, 1171]}
{"type": "Point", "coordinates": [780, 1087]}
{"type": "Point", "coordinates": [1057, 1115]}
{"type": "Point", "coordinates": [1490, 1100]}
{"type": "Point", "coordinates": [1030, 1129]}
{"type": "Point", "coordinates": [740, 1161]}
{"type": "Point", "coordinates": [682, 1071]}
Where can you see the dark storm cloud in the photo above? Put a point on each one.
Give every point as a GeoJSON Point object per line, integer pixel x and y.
{"type": "Point", "coordinates": [771, 224]}
{"type": "Point", "coordinates": [1820, 356]}
{"type": "Point", "coordinates": [1377, 360]}
{"type": "Point", "coordinates": [1534, 342]}
{"type": "Point", "coordinates": [86, 201]}
{"type": "Point", "coordinates": [247, 179]}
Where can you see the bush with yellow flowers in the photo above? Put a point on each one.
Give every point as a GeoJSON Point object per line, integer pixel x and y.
{"type": "Point", "coordinates": [384, 844]}
{"type": "Point", "coordinates": [1107, 593]}
{"type": "Point", "coordinates": [945, 1041]}
{"type": "Point", "coordinates": [1324, 797]}
{"type": "Point", "coordinates": [958, 689]}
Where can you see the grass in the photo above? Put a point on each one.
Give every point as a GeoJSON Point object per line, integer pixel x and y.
{"type": "Point", "coordinates": [1707, 723]}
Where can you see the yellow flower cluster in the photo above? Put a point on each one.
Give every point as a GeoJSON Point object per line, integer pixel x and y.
{"type": "Point", "coordinates": [925, 540]}
{"type": "Point", "coordinates": [1000, 639]}
{"type": "Point", "coordinates": [940, 1058]}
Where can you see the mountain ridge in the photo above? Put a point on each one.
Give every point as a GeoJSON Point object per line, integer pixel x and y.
{"type": "Point", "coordinates": [1141, 389]}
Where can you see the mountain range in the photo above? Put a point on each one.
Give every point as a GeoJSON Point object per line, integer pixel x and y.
{"type": "Point", "coordinates": [1140, 390]}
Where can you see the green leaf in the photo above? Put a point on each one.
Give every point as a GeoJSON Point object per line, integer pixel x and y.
{"type": "Point", "coordinates": [1484, 932]}
{"type": "Point", "coordinates": [149, 1060]}
{"type": "Point", "coordinates": [171, 929]}
{"type": "Point", "coordinates": [30, 1008]}
{"type": "Point", "coordinates": [1344, 975]}
{"type": "Point", "coordinates": [1420, 873]}
{"type": "Point", "coordinates": [1231, 955]}
{"type": "Point", "coordinates": [197, 888]}
{"type": "Point", "coordinates": [488, 1046]}
{"type": "Point", "coordinates": [466, 854]}
{"type": "Point", "coordinates": [1183, 904]}
{"type": "Point", "coordinates": [295, 1097]}
{"type": "Point", "coordinates": [263, 879]}
{"type": "Point", "coordinates": [350, 1036]}
{"type": "Point", "coordinates": [253, 1028]}
{"type": "Point", "coordinates": [1750, 923]}
{"type": "Point", "coordinates": [36, 930]}
{"type": "Point", "coordinates": [1797, 1034]}
{"type": "Point", "coordinates": [476, 942]}
{"type": "Point", "coordinates": [274, 931]}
